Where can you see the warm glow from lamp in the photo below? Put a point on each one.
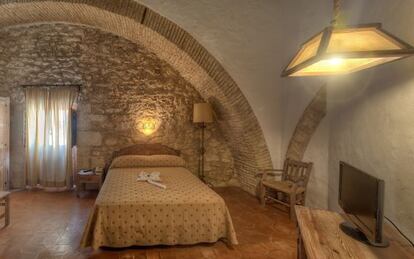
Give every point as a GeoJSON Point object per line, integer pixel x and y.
{"type": "Point", "coordinates": [337, 66]}
{"type": "Point", "coordinates": [148, 125]}
{"type": "Point", "coordinates": [345, 50]}
{"type": "Point", "coordinates": [336, 61]}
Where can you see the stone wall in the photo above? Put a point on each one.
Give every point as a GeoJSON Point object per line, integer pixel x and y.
{"type": "Point", "coordinates": [171, 43]}
{"type": "Point", "coordinates": [121, 83]}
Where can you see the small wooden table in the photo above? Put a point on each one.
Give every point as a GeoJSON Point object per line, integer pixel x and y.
{"type": "Point", "coordinates": [320, 237]}
{"type": "Point", "coordinates": [5, 202]}
{"type": "Point", "coordinates": [82, 180]}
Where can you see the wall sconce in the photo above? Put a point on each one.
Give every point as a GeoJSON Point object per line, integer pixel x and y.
{"type": "Point", "coordinates": [148, 125]}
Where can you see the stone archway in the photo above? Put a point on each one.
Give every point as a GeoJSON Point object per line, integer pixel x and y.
{"type": "Point", "coordinates": [168, 41]}
{"type": "Point", "coordinates": [307, 125]}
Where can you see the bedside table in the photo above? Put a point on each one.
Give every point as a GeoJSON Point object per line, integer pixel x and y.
{"type": "Point", "coordinates": [82, 180]}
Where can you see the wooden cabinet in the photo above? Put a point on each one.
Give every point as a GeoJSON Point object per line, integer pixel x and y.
{"type": "Point", "coordinates": [82, 180]}
{"type": "Point", "coordinates": [320, 237]}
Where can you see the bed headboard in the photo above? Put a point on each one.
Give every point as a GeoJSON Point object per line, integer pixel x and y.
{"type": "Point", "coordinates": [146, 149]}
{"type": "Point", "coordinates": [143, 149]}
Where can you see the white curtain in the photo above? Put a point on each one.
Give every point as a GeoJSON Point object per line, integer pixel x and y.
{"type": "Point", "coordinates": [48, 137]}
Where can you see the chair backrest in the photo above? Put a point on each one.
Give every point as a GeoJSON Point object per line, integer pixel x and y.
{"type": "Point", "coordinates": [297, 171]}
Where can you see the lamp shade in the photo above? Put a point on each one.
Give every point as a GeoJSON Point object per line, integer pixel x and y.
{"type": "Point", "coordinates": [202, 113]}
{"type": "Point", "coordinates": [345, 50]}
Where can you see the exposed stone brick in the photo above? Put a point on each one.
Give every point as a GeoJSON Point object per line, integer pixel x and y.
{"type": "Point", "coordinates": [89, 138]}
{"type": "Point", "coordinates": [135, 22]}
{"type": "Point", "coordinates": [121, 82]}
{"type": "Point", "coordinates": [307, 125]}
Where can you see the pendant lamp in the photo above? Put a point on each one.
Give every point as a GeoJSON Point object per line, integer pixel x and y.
{"type": "Point", "coordinates": [346, 49]}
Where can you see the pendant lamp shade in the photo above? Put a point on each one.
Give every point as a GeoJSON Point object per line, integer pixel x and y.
{"type": "Point", "coordinates": [345, 50]}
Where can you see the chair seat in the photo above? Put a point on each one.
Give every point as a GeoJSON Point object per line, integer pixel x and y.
{"type": "Point", "coordinates": [4, 194]}
{"type": "Point", "coordinates": [283, 186]}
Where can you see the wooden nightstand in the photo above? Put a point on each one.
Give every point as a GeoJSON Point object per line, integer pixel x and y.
{"type": "Point", "coordinates": [82, 180]}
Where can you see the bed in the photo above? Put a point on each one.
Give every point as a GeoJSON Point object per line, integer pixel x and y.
{"type": "Point", "coordinates": [132, 213]}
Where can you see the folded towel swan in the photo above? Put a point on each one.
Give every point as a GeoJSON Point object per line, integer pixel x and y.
{"type": "Point", "coordinates": [151, 178]}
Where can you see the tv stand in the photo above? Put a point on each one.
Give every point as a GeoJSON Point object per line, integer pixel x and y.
{"type": "Point", "coordinates": [357, 234]}
{"type": "Point", "coordinates": [321, 236]}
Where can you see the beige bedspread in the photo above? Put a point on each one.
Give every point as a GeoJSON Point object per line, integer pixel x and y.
{"type": "Point", "coordinates": [128, 212]}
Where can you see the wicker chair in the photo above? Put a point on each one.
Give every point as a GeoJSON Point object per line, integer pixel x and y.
{"type": "Point", "coordinates": [290, 189]}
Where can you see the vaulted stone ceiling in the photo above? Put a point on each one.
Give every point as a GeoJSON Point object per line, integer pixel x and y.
{"type": "Point", "coordinates": [137, 23]}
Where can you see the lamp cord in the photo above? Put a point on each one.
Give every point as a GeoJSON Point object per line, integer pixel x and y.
{"type": "Point", "coordinates": [409, 241]}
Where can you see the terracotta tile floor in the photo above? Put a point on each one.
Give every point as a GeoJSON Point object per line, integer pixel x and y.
{"type": "Point", "coordinates": [50, 225]}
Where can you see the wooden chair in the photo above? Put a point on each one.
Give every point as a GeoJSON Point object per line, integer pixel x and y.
{"type": "Point", "coordinates": [290, 189]}
{"type": "Point", "coordinates": [5, 201]}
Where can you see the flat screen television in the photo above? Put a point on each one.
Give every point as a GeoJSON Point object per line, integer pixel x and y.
{"type": "Point", "coordinates": [361, 196]}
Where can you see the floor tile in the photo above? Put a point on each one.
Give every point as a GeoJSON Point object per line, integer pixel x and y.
{"type": "Point", "coordinates": [49, 225]}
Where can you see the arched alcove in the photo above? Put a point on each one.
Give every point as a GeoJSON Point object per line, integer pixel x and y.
{"type": "Point", "coordinates": [172, 44]}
